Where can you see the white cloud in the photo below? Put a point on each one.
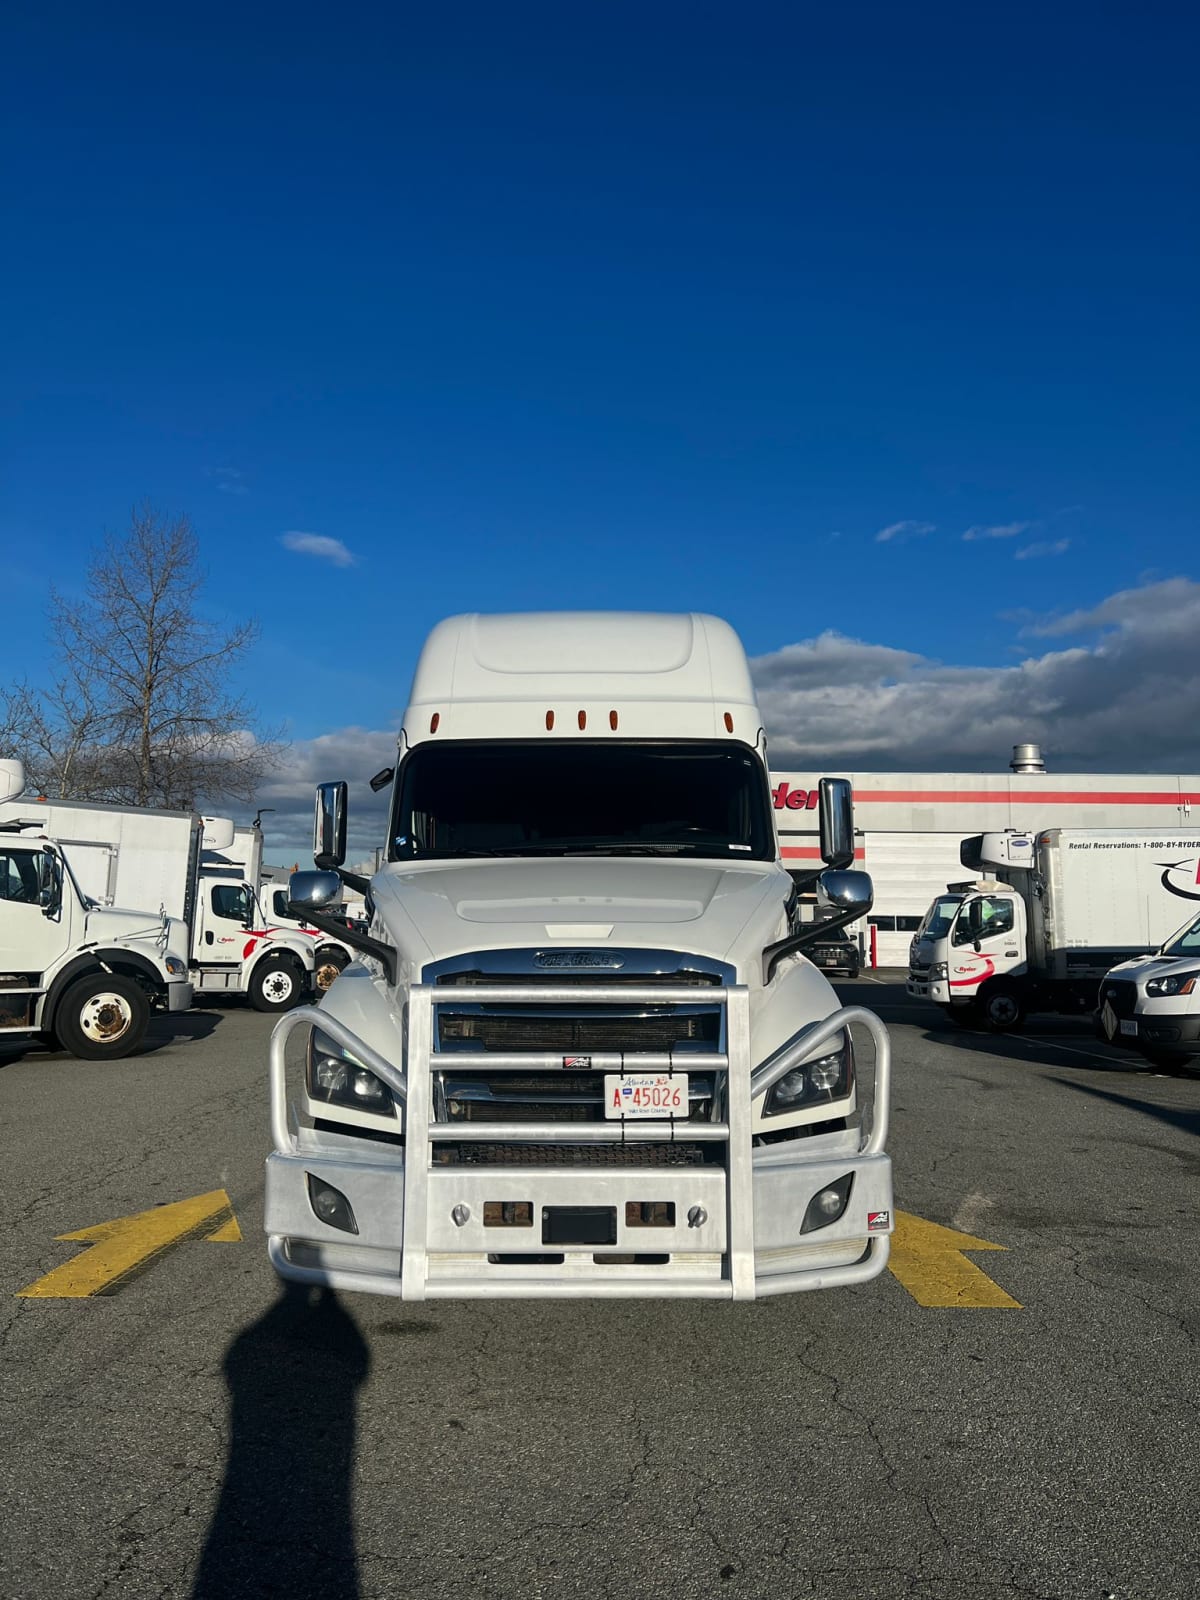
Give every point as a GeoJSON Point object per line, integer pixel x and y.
{"type": "Point", "coordinates": [318, 545]}
{"type": "Point", "coordinates": [904, 530]}
{"type": "Point", "coordinates": [997, 530]}
{"type": "Point", "coordinates": [1047, 547]}
{"type": "Point", "coordinates": [1118, 697]}
{"type": "Point", "coordinates": [1118, 700]}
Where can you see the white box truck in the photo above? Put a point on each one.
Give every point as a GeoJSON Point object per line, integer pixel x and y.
{"type": "Point", "coordinates": [581, 1051]}
{"type": "Point", "coordinates": [1060, 909]}
{"type": "Point", "coordinates": [72, 972]}
{"type": "Point", "coordinates": [128, 855]}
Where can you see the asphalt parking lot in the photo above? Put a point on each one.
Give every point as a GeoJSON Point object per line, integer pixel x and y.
{"type": "Point", "coordinates": [197, 1431]}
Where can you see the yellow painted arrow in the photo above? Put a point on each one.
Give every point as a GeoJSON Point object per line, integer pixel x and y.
{"type": "Point", "coordinates": [123, 1248]}
{"type": "Point", "coordinates": [929, 1261]}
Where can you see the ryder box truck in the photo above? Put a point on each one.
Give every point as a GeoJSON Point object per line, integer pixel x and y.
{"type": "Point", "coordinates": [1059, 909]}
{"type": "Point", "coordinates": [581, 1051]}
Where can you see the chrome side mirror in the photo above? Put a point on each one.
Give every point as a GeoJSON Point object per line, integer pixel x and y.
{"type": "Point", "coordinates": [312, 891]}
{"type": "Point", "coordinates": [837, 822]}
{"type": "Point", "coordinates": [50, 879]}
{"type": "Point", "coordinates": [849, 894]}
{"type": "Point", "coordinates": [329, 826]}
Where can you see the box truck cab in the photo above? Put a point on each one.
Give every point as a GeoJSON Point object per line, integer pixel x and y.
{"type": "Point", "coordinates": [1063, 907]}
{"type": "Point", "coordinates": [1153, 1005]}
{"type": "Point", "coordinates": [581, 1050]}
{"type": "Point", "coordinates": [239, 916]}
{"type": "Point", "coordinates": [72, 972]}
{"type": "Point", "coordinates": [195, 868]}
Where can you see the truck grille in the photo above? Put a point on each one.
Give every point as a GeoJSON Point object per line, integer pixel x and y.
{"type": "Point", "coordinates": [546, 1097]}
{"type": "Point", "coordinates": [1121, 996]}
{"type": "Point", "coordinates": [573, 1033]}
{"type": "Point", "coordinates": [678, 1154]}
{"type": "Point", "coordinates": [551, 1030]}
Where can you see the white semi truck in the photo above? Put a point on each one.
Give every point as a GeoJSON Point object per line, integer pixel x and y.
{"type": "Point", "coordinates": [1060, 908]}
{"type": "Point", "coordinates": [126, 855]}
{"type": "Point", "coordinates": [581, 1051]}
{"type": "Point", "coordinates": [72, 972]}
{"type": "Point", "coordinates": [1152, 1005]}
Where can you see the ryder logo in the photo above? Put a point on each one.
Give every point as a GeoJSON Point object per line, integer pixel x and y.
{"type": "Point", "coordinates": [788, 799]}
{"type": "Point", "coordinates": [1182, 878]}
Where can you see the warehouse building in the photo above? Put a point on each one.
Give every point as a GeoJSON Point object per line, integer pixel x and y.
{"type": "Point", "coordinates": [911, 825]}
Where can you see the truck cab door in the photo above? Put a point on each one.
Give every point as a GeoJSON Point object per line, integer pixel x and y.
{"type": "Point", "coordinates": [988, 938]}
{"type": "Point", "coordinates": [35, 912]}
{"type": "Point", "coordinates": [226, 910]}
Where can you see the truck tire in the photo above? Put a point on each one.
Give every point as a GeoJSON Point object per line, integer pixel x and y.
{"type": "Point", "coordinates": [329, 964]}
{"type": "Point", "coordinates": [963, 1016]}
{"type": "Point", "coordinates": [102, 1017]}
{"type": "Point", "coordinates": [1002, 1007]}
{"type": "Point", "coordinates": [276, 985]}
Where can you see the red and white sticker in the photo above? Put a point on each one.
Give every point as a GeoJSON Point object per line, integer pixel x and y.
{"type": "Point", "coordinates": [879, 1221]}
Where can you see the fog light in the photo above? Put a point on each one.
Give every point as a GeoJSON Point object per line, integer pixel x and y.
{"type": "Point", "coordinates": [331, 1205]}
{"type": "Point", "coordinates": [828, 1204]}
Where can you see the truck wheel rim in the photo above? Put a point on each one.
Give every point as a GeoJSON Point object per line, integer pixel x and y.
{"type": "Point", "coordinates": [278, 986]}
{"type": "Point", "coordinates": [326, 973]}
{"type": "Point", "coordinates": [106, 1017]}
{"type": "Point", "coordinates": [1003, 1008]}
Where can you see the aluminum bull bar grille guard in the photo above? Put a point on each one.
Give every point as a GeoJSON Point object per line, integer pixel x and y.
{"type": "Point", "coordinates": [430, 1230]}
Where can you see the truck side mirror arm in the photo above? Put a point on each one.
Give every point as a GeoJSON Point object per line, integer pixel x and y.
{"type": "Point", "coordinates": [850, 893]}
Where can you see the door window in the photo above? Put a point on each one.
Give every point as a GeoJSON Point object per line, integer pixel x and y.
{"type": "Point", "coordinates": [20, 877]}
{"type": "Point", "coordinates": [231, 902]}
{"type": "Point", "coordinates": [984, 918]}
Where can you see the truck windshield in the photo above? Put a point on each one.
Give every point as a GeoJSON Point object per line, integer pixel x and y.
{"type": "Point", "coordinates": [582, 798]}
{"type": "Point", "coordinates": [939, 917]}
{"type": "Point", "coordinates": [1184, 943]}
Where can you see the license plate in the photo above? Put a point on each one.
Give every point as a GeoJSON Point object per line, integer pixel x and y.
{"type": "Point", "coordinates": [1129, 1029]}
{"type": "Point", "coordinates": [645, 1094]}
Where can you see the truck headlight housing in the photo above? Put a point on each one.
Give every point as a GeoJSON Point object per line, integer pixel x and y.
{"type": "Point", "coordinates": [1174, 983]}
{"type": "Point", "coordinates": [939, 972]}
{"type": "Point", "coordinates": [175, 967]}
{"type": "Point", "coordinates": [814, 1083]}
{"type": "Point", "coordinates": [336, 1078]}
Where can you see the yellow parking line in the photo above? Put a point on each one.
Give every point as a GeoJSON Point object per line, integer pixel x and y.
{"type": "Point", "coordinates": [126, 1246]}
{"type": "Point", "coordinates": [929, 1261]}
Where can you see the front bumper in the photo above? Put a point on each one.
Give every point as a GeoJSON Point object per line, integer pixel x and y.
{"type": "Point", "coordinates": [427, 1230]}
{"type": "Point", "coordinates": [922, 987]}
{"type": "Point", "coordinates": [179, 994]}
{"type": "Point", "coordinates": [1159, 1031]}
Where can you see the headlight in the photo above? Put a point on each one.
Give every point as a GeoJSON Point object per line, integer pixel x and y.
{"type": "Point", "coordinates": [175, 967]}
{"type": "Point", "coordinates": [337, 1078]}
{"type": "Point", "coordinates": [939, 972]}
{"type": "Point", "coordinates": [815, 1083]}
{"type": "Point", "coordinates": [1174, 983]}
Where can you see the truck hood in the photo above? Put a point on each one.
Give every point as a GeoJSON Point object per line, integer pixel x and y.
{"type": "Point", "coordinates": [108, 925]}
{"type": "Point", "coordinates": [438, 909]}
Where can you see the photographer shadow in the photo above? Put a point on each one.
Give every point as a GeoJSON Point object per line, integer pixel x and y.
{"type": "Point", "coordinates": [284, 1522]}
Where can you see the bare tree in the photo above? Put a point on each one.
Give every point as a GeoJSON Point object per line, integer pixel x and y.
{"type": "Point", "coordinates": [142, 711]}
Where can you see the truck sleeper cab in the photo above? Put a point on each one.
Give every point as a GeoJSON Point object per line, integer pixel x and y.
{"type": "Point", "coordinates": [581, 1051]}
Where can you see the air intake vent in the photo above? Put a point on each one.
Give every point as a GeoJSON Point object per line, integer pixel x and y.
{"type": "Point", "coordinates": [1027, 758]}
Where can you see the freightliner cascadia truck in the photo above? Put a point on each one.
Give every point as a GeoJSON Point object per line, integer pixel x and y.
{"type": "Point", "coordinates": [581, 1051]}
{"type": "Point", "coordinates": [1061, 908]}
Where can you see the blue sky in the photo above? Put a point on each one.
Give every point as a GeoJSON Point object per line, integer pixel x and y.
{"type": "Point", "coordinates": [665, 306]}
